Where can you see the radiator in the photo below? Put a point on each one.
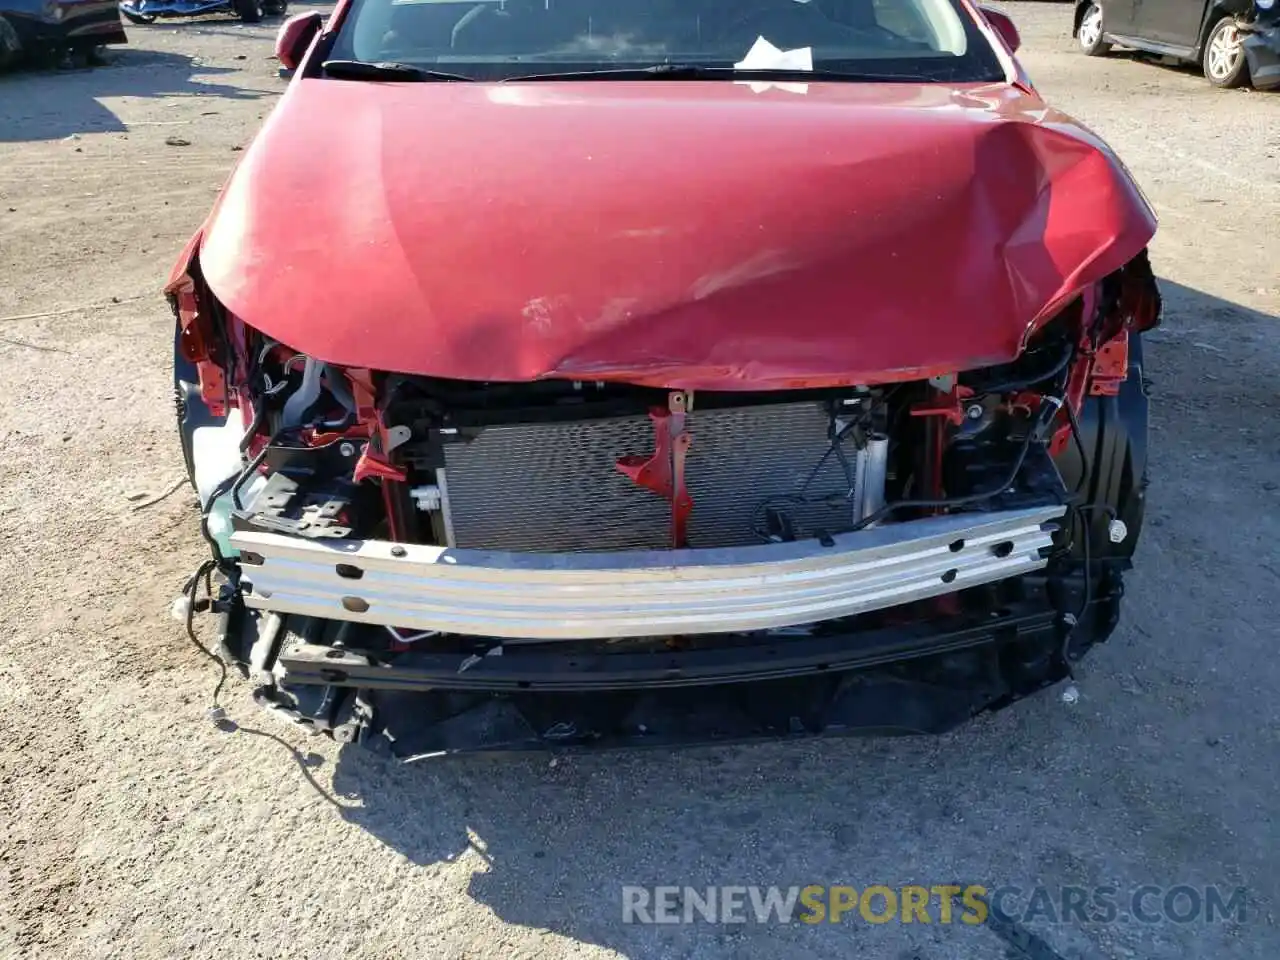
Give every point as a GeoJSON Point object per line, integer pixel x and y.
{"type": "Point", "coordinates": [554, 486]}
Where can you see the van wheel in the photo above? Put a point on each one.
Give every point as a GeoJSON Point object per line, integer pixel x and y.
{"type": "Point", "coordinates": [1091, 34]}
{"type": "Point", "coordinates": [1224, 61]}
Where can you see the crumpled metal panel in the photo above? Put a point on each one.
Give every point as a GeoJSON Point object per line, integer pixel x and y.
{"type": "Point", "coordinates": [562, 596]}
{"type": "Point", "coordinates": [553, 486]}
{"type": "Point", "coordinates": [682, 235]}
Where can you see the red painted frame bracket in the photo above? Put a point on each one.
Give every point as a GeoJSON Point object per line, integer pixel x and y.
{"type": "Point", "coordinates": [949, 405]}
{"type": "Point", "coordinates": [663, 471]}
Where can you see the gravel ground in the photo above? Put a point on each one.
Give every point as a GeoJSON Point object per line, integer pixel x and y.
{"type": "Point", "coordinates": [134, 828]}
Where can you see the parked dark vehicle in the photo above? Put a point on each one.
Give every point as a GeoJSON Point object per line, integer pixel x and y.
{"type": "Point", "coordinates": [1236, 41]}
{"type": "Point", "coordinates": [250, 11]}
{"type": "Point", "coordinates": [35, 28]}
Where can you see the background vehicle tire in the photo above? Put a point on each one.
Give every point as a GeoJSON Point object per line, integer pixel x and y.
{"type": "Point", "coordinates": [137, 18]}
{"type": "Point", "coordinates": [1223, 59]}
{"type": "Point", "coordinates": [250, 11]}
{"type": "Point", "coordinates": [1090, 34]}
{"type": "Point", "coordinates": [10, 45]}
{"type": "Point", "coordinates": [275, 8]}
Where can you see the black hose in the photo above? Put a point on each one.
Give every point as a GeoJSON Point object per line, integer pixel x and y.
{"type": "Point", "coordinates": [834, 446]}
{"type": "Point", "coordinates": [1085, 546]}
{"type": "Point", "coordinates": [960, 501]}
{"type": "Point", "coordinates": [205, 509]}
{"type": "Point", "coordinates": [1084, 454]}
{"type": "Point", "coordinates": [1026, 382]}
{"type": "Point", "coordinates": [259, 411]}
{"type": "Point", "coordinates": [233, 484]}
{"type": "Point", "coordinates": [966, 499]}
{"type": "Point", "coordinates": [204, 571]}
{"type": "Point", "coordinates": [256, 462]}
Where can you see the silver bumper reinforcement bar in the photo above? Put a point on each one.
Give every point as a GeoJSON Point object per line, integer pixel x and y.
{"type": "Point", "coordinates": [568, 596]}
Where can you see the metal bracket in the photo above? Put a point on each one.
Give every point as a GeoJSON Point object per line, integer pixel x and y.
{"type": "Point", "coordinates": [663, 471]}
{"type": "Point", "coordinates": [316, 521]}
{"type": "Point", "coordinates": [1110, 366]}
{"type": "Point", "coordinates": [949, 405]}
{"type": "Point", "coordinates": [375, 462]}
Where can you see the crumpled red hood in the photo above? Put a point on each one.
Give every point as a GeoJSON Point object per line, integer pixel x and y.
{"type": "Point", "coordinates": [695, 235]}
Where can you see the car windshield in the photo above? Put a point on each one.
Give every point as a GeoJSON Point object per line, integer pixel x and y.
{"type": "Point", "coordinates": [509, 39]}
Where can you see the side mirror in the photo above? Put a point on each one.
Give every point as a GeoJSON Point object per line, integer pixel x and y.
{"type": "Point", "coordinates": [295, 37]}
{"type": "Point", "coordinates": [1004, 26]}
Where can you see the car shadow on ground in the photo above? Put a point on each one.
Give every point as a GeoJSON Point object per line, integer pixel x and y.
{"type": "Point", "coordinates": [551, 842]}
{"type": "Point", "coordinates": [1186, 68]}
{"type": "Point", "coordinates": [42, 104]}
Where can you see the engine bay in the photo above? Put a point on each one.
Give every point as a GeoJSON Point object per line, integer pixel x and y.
{"type": "Point", "coordinates": [576, 466]}
{"type": "Point", "coordinates": [399, 533]}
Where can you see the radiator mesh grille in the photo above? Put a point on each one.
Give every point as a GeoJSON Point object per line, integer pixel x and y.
{"type": "Point", "coordinates": [554, 487]}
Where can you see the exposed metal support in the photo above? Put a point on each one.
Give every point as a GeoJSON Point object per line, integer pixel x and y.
{"type": "Point", "coordinates": [873, 470]}
{"type": "Point", "coordinates": [549, 596]}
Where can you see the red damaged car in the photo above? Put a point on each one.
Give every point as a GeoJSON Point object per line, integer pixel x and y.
{"type": "Point", "coordinates": [640, 371]}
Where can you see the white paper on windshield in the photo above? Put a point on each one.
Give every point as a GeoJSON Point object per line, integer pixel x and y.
{"type": "Point", "coordinates": [763, 55]}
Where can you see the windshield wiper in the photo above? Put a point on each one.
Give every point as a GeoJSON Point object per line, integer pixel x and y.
{"type": "Point", "coordinates": [693, 71]}
{"type": "Point", "coordinates": [384, 70]}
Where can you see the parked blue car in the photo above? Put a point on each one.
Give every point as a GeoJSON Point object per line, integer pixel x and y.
{"type": "Point", "coordinates": [250, 11]}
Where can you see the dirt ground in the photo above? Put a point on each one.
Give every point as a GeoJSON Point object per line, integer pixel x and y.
{"type": "Point", "coordinates": [131, 827]}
